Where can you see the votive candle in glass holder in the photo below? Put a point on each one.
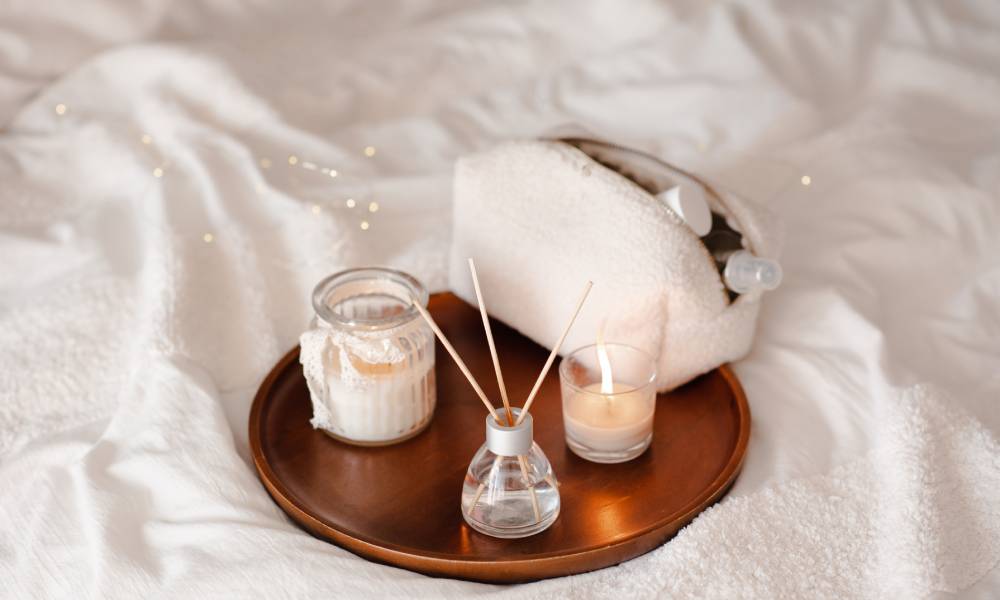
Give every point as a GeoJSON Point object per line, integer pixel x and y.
{"type": "Point", "coordinates": [609, 399]}
{"type": "Point", "coordinates": [368, 357]}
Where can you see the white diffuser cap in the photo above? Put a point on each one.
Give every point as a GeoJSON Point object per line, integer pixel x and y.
{"type": "Point", "coordinates": [509, 441]}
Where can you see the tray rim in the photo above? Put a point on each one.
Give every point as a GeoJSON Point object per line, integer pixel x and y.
{"type": "Point", "coordinates": [444, 564]}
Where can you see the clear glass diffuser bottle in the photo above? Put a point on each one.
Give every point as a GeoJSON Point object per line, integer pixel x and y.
{"type": "Point", "coordinates": [510, 490]}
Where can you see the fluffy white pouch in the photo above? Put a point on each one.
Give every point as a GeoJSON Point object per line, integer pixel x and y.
{"type": "Point", "coordinates": [541, 218]}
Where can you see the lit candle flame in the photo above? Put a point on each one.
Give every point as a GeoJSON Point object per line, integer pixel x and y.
{"type": "Point", "coordinates": [607, 383]}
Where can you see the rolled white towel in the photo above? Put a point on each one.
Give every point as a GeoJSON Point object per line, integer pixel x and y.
{"type": "Point", "coordinates": [541, 217]}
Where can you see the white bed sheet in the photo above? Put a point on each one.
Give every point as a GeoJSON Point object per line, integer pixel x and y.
{"type": "Point", "coordinates": [157, 248]}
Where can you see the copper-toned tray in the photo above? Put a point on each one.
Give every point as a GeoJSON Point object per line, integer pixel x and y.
{"type": "Point", "coordinates": [400, 504]}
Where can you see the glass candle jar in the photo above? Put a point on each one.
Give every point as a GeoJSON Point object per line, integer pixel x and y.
{"type": "Point", "coordinates": [369, 358]}
{"type": "Point", "coordinates": [608, 413]}
{"type": "Point", "coordinates": [510, 490]}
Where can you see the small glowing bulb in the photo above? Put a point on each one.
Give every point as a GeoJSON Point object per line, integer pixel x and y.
{"type": "Point", "coordinates": [208, 237]}
{"type": "Point", "coordinates": [333, 172]}
{"type": "Point", "coordinates": [351, 203]}
{"type": "Point", "coordinates": [369, 151]}
{"type": "Point", "coordinates": [316, 209]}
{"type": "Point", "coordinates": [364, 225]}
{"type": "Point", "coordinates": [292, 160]}
{"type": "Point", "coordinates": [60, 109]}
{"type": "Point", "coordinates": [157, 172]}
{"type": "Point", "coordinates": [146, 139]}
{"type": "Point", "coordinates": [373, 207]}
{"type": "Point", "coordinates": [806, 180]}
{"type": "Point", "coordinates": [265, 163]}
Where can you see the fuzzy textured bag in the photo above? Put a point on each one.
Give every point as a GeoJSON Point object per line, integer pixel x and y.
{"type": "Point", "coordinates": [540, 218]}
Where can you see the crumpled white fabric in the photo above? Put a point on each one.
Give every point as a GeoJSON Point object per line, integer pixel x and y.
{"type": "Point", "coordinates": [130, 347]}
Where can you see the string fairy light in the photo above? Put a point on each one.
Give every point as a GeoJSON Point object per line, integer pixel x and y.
{"type": "Point", "coordinates": [806, 180]}
{"type": "Point", "coordinates": [293, 160]}
{"type": "Point", "coordinates": [145, 139]}
{"type": "Point", "coordinates": [296, 160]}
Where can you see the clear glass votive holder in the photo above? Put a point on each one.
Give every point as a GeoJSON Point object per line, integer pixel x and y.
{"type": "Point", "coordinates": [613, 423]}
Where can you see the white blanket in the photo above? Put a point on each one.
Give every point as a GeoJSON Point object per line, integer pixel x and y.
{"type": "Point", "coordinates": [166, 204]}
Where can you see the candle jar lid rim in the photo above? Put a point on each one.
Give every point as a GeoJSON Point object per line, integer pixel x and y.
{"type": "Point", "coordinates": [330, 283]}
{"type": "Point", "coordinates": [564, 375]}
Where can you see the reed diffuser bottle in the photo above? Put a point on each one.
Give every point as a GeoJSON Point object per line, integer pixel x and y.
{"type": "Point", "coordinates": [510, 490]}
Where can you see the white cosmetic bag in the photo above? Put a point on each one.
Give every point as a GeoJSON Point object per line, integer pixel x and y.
{"type": "Point", "coordinates": [541, 218]}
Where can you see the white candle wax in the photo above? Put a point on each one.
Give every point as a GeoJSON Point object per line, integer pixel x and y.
{"type": "Point", "coordinates": [373, 388]}
{"type": "Point", "coordinates": [381, 402]}
{"type": "Point", "coordinates": [609, 422]}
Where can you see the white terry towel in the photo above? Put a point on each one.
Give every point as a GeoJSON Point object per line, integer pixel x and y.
{"type": "Point", "coordinates": [540, 218]}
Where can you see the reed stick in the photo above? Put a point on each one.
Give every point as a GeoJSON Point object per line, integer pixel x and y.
{"type": "Point", "coordinates": [458, 359]}
{"type": "Point", "coordinates": [531, 487]}
{"type": "Point", "coordinates": [482, 484]}
{"type": "Point", "coordinates": [489, 340]}
{"type": "Point", "coordinates": [553, 354]}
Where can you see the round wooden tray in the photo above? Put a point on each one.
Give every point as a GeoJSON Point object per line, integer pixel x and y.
{"type": "Point", "coordinates": [400, 504]}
